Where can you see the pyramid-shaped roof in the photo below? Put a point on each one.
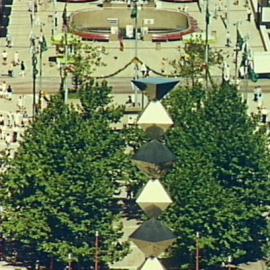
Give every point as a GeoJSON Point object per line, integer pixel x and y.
{"type": "Point", "coordinates": [152, 237]}
{"type": "Point", "coordinates": [152, 231]}
{"type": "Point", "coordinates": [153, 192]}
{"type": "Point", "coordinates": [155, 115]}
{"type": "Point", "coordinates": [156, 88]}
{"type": "Point", "coordinates": [153, 198]}
{"type": "Point", "coordinates": [152, 263]}
{"type": "Point", "coordinates": [154, 152]}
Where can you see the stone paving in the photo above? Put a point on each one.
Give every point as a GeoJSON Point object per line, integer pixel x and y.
{"type": "Point", "coordinates": [20, 29]}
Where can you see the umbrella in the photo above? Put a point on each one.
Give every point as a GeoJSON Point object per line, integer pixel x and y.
{"type": "Point", "coordinates": [154, 119]}
{"type": "Point", "coordinates": [154, 158]}
{"type": "Point", "coordinates": [153, 199]}
{"type": "Point", "coordinates": [156, 88]}
{"type": "Point", "coordinates": [152, 237]}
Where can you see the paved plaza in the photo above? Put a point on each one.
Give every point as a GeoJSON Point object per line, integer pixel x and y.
{"type": "Point", "coordinates": [150, 53]}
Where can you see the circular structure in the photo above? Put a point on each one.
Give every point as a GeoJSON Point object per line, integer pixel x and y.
{"type": "Point", "coordinates": [116, 22]}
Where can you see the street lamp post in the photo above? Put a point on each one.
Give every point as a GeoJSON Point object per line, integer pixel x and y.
{"type": "Point", "coordinates": [65, 69]}
{"type": "Point", "coordinates": [34, 77]}
{"type": "Point", "coordinates": [134, 14]}
{"type": "Point", "coordinates": [69, 261]}
{"type": "Point", "coordinates": [237, 49]}
{"type": "Point", "coordinates": [207, 18]}
{"type": "Point", "coordinates": [229, 262]}
{"type": "Point", "coordinates": [97, 251]}
{"type": "Point", "coordinates": [197, 251]}
{"type": "Point", "coordinates": [65, 26]}
{"type": "Point", "coordinates": [42, 48]}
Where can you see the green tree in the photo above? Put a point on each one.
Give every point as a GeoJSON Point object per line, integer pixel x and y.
{"type": "Point", "coordinates": [220, 182]}
{"type": "Point", "coordinates": [58, 191]}
{"type": "Point", "coordinates": [191, 62]}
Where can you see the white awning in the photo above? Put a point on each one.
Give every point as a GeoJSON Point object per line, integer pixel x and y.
{"type": "Point", "coordinates": [261, 62]}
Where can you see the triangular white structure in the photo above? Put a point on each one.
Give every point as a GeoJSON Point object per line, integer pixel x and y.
{"type": "Point", "coordinates": [155, 115]}
{"type": "Point", "coordinates": [153, 199]}
{"type": "Point", "coordinates": [152, 263]}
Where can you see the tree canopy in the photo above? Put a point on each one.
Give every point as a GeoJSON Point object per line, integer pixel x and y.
{"type": "Point", "coordinates": [58, 190]}
{"type": "Point", "coordinates": [220, 181]}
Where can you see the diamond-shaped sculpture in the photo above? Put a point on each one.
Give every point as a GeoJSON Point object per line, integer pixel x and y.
{"type": "Point", "coordinates": [155, 120]}
{"type": "Point", "coordinates": [153, 199]}
{"type": "Point", "coordinates": [156, 88]}
{"type": "Point", "coordinates": [152, 237]}
{"type": "Point", "coordinates": [152, 263]}
{"type": "Point", "coordinates": [154, 158]}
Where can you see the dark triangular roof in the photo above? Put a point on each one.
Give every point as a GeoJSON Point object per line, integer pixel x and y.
{"type": "Point", "coordinates": [154, 152]}
{"type": "Point", "coordinates": [152, 231]}
{"type": "Point", "coordinates": [163, 85]}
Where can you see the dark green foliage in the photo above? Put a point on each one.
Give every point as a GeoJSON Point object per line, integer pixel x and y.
{"type": "Point", "coordinates": [220, 184]}
{"type": "Point", "coordinates": [58, 191]}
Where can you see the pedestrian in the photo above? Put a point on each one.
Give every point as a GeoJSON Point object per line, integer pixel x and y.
{"type": "Point", "coordinates": [8, 140]}
{"type": "Point", "coordinates": [31, 18]}
{"type": "Point", "coordinates": [248, 14]}
{"type": "Point", "coordinates": [20, 102]}
{"type": "Point", "coordinates": [143, 70]}
{"type": "Point", "coordinates": [30, 5]}
{"type": "Point", "coordinates": [260, 102]}
{"type": "Point", "coordinates": [22, 69]}
{"type": "Point", "coordinates": [255, 94]}
{"type": "Point", "coordinates": [216, 11]}
{"type": "Point", "coordinates": [228, 39]}
{"type": "Point", "coordinates": [16, 58]}
{"type": "Point", "coordinates": [4, 87]}
{"type": "Point", "coordinates": [9, 123]}
{"type": "Point", "coordinates": [55, 19]}
{"type": "Point", "coordinates": [129, 101]}
{"type": "Point", "coordinates": [8, 41]}
{"type": "Point", "coordinates": [147, 74]}
{"type": "Point", "coordinates": [10, 70]}
{"type": "Point", "coordinates": [4, 57]}
{"type": "Point", "coordinates": [35, 7]}
{"type": "Point", "coordinates": [129, 191]}
{"type": "Point", "coordinates": [259, 91]}
{"type": "Point", "coordinates": [264, 115]}
{"type": "Point", "coordinates": [2, 120]}
{"type": "Point", "coordinates": [226, 72]}
{"type": "Point", "coordinates": [9, 92]}
{"type": "Point", "coordinates": [220, 5]}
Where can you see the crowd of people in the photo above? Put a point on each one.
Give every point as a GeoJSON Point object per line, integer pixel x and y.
{"type": "Point", "coordinates": [13, 64]}
{"type": "Point", "coordinates": [12, 126]}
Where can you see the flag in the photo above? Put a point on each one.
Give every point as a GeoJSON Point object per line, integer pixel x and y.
{"type": "Point", "coordinates": [64, 15]}
{"type": "Point", "coordinates": [239, 40]}
{"type": "Point", "coordinates": [207, 16]}
{"type": "Point", "coordinates": [252, 75]}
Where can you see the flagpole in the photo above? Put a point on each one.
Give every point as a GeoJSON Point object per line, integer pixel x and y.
{"type": "Point", "coordinates": [134, 14]}
{"type": "Point", "coordinates": [197, 251]}
{"type": "Point", "coordinates": [206, 42]}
